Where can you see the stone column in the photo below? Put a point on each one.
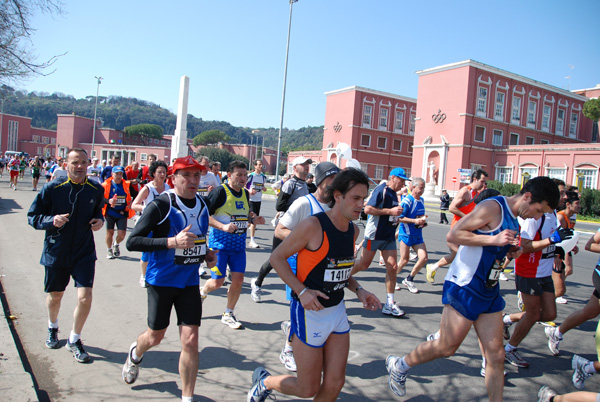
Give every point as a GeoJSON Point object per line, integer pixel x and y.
{"type": "Point", "coordinates": [179, 146]}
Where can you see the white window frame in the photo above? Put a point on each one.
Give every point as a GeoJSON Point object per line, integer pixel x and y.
{"type": "Point", "coordinates": [531, 115]}
{"type": "Point", "coordinates": [378, 172]}
{"type": "Point", "coordinates": [546, 117]}
{"type": "Point", "coordinates": [482, 94]}
{"type": "Point", "coordinates": [590, 179]}
{"type": "Point", "coordinates": [511, 136]}
{"type": "Point", "coordinates": [39, 150]}
{"type": "Point", "coordinates": [399, 121]}
{"type": "Point", "coordinates": [532, 140]}
{"type": "Point", "coordinates": [364, 167]}
{"type": "Point", "coordinates": [475, 134]}
{"type": "Point", "coordinates": [385, 142]}
{"type": "Point", "coordinates": [399, 149]}
{"type": "Point", "coordinates": [45, 140]}
{"type": "Point", "coordinates": [363, 136]}
{"type": "Point", "coordinates": [494, 141]}
{"type": "Point", "coordinates": [504, 174]}
{"type": "Point", "coordinates": [409, 148]}
{"type": "Point", "coordinates": [52, 140]}
{"type": "Point", "coordinates": [557, 173]}
{"type": "Point", "coordinates": [162, 142]}
{"type": "Point", "coordinates": [384, 113]}
{"type": "Point", "coordinates": [143, 157]}
{"type": "Point", "coordinates": [367, 118]}
{"type": "Point", "coordinates": [499, 110]}
{"type": "Point", "coordinates": [544, 141]}
{"type": "Point", "coordinates": [533, 172]}
{"type": "Point", "coordinates": [573, 124]}
{"type": "Point", "coordinates": [413, 119]}
{"type": "Point", "coordinates": [560, 121]}
{"type": "Point", "coordinates": [516, 109]}
{"type": "Point", "coordinates": [35, 138]}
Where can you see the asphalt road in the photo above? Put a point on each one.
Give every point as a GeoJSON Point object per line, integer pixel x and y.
{"type": "Point", "coordinates": [228, 357]}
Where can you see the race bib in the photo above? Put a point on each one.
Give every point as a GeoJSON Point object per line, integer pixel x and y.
{"type": "Point", "coordinates": [192, 255]}
{"type": "Point", "coordinates": [203, 190]}
{"type": "Point", "coordinates": [394, 220]}
{"type": "Point", "coordinates": [241, 223]}
{"type": "Point", "coordinates": [494, 275]}
{"type": "Point", "coordinates": [337, 273]}
{"type": "Point", "coordinates": [121, 200]}
{"type": "Point", "coordinates": [258, 187]}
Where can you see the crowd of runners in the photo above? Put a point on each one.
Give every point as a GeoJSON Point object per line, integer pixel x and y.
{"type": "Point", "coordinates": [191, 220]}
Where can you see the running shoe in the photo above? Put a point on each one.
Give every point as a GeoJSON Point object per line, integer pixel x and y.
{"type": "Point", "coordinates": [109, 254]}
{"type": "Point", "coordinates": [285, 327]}
{"type": "Point", "coordinates": [253, 244]}
{"type": "Point", "coordinates": [397, 287]}
{"type": "Point", "coordinates": [520, 304]}
{"type": "Point", "coordinates": [430, 273]}
{"type": "Point", "coordinates": [561, 300]}
{"type": "Point", "coordinates": [79, 352]}
{"type": "Point", "coordinates": [52, 342]}
{"type": "Point", "coordinates": [287, 359]}
{"type": "Point", "coordinates": [410, 285]}
{"type": "Point", "coordinates": [433, 337]}
{"type": "Point", "coordinates": [381, 261]}
{"type": "Point", "coordinates": [502, 277]}
{"type": "Point", "coordinates": [392, 309]}
{"type": "Point", "coordinates": [515, 359]}
{"type": "Point", "coordinates": [259, 392]}
{"type": "Point", "coordinates": [545, 393]}
{"type": "Point", "coordinates": [256, 292]}
{"type": "Point", "coordinates": [202, 298]}
{"type": "Point", "coordinates": [143, 281]}
{"type": "Point", "coordinates": [116, 250]}
{"type": "Point", "coordinates": [412, 256]}
{"type": "Point", "coordinates": [553, 340]}
{"type": "Point", "coordinates": [396, 378]}
{"type": "Point", "coordinates": [579, 374]}
{"type": "Point", "coordinates": [231, 320]}
{"type": "Point", "coordinates": [505, 329]}
{"type": "Point", "coordinates": [130, 368]}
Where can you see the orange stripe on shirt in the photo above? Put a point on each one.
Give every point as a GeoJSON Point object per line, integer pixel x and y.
{"type": "Point", "coordinates": [308, 259]}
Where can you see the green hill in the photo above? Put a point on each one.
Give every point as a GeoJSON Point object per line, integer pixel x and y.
{"type": "Point", "coordinates": [119, 112]}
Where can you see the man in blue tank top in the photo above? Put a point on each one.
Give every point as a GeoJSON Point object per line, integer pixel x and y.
{"type": "Point", "coordinates": [471, 295]}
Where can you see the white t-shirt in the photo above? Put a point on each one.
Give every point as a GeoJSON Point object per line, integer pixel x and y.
{"type": "Point", "coordinates": [59, 172]}
{"type": "Point", "coordinates": [301, 209]}
{"type": "Point", "coordinates": [209, 179]}
{"type": "Point", "coordinates": [256, 182]}
{"type": "Point", "coordinates": [93, 173]}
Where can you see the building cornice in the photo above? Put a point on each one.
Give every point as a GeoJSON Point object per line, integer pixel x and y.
{"type": "Point", "coordinates": [504, 73]}
{"type": "Point", "coordinates": [372, 92]}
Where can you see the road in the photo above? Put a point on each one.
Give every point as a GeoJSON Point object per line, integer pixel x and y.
{"type": "Point", "coordinates": [228, 357]}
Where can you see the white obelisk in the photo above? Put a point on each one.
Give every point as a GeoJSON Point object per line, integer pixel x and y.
{"type": "Point", "coordinates": [179, 147]}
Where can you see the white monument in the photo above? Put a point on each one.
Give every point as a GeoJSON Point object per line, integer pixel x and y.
{"type": "Point", "coordinates": [430, 186]}
{"type": "Point", "coordinates": [179, 147]}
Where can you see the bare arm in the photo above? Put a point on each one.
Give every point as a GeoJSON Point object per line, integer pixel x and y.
{"type": "Point", "coordinates": [371, 210]}
{"type": "Point", "coordinates": [593, 244]}
{"type": "Point", "coordinates": [137, 204]}
{"type": "Point", "coordinates": [281, 232]}
{"type": "Point", "coordinates": [459, 200]}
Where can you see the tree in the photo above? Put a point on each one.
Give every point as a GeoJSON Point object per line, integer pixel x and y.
{"type": "Point", "coordinates": [144, 131]}
{"type": "Point", "coordinates": [221, 155]}
{"type": "Point", "coordinates": [16, 58]}
{"type": "Point", "coordinates": [591, 110]}
{"type": "Point", "coordinates": [210, 137]}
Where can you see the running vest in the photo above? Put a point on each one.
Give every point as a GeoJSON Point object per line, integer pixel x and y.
{"type": "Point", "coordinates": [123, 198]}
{"type": "Point", "coordinates": [412, 209]}
{"type": "Point", "coordinates": [465, 209]}
{"type": "Point", "coordinates": [570, 224]}
{"type": "Point", "coordinates": [153, 193]}
{"type": "Point", "coordinates": [256, 182]}
{"type": "Point", "coordinates": [328, 268]}
{"type": "Point", "coordinates": [473, 265]}
{"type": "Point", "coordinates": [179, 267]}
{"type": "Point", "coordinates": [235, 210]}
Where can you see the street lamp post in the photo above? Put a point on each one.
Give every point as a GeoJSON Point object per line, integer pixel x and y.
{"type": "Point", "coordinates": [95, 111]}
{"type": "Point", "coordinates": [287, 51]}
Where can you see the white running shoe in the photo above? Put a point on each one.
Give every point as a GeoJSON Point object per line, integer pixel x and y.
{"type": "Point", "coordinates": [253, 244]}
{"type": "Point", "coordinates": [396, 378]}
{"type": "Point", "coordinates": [545, 393]}
{"type": "Point", "coordinates": [109, 254]}
{"type": "Point", "coordinates": [520, 304]}
{"type": "Point", "coordinates": [579, 374]}
{"type": "Point", "coordinates": [515, 359]}
{"type": "Point", "coordinates": [561, 300]}
{"type": "Point", "coordinates": [392, 309]}
{"type": "Point", "coordinates": [412, 256]}
{"type": "Point", "coordinates": [505, 329]}
{"type": "Point", "coordinates": [287, 359]}
{"type": "Point", "coordinates": [143, 281]}
{"type": "Point", "coordinates": [430, 273]}
{"type": "Point", "coordinates": [553, 340]}
{"type": "Point", "coordinates": [410, 285]}
{"type": "Point", "coordinates": [502, 277]}
{"type": "Point", "coordinates": [433, 337]}
{"type": "Point", "coordinates": [130, 368]}
{"type": "Point", "coordinates": [231, 320]}
{"type": "Point", "coordinates": [256, 292]}
{"type": "Point", "coordinates": [116, 250]}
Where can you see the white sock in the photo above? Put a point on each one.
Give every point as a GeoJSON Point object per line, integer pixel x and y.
{"type": "Point", "coordinates": [436, 266]}
{"type": "Point", "coordinates": [134, 356]}
{"type": "Point", "coordinates": [482, 361]}
{"type": "Point", "coordinates": [52, 324]}
{"type": "Point", "coordinates": [509, 347]}
{"type": "Point", "coordinates": [589, 368]}
{"type": "Point", "coordinates": [73, 338]}
{"type": "Point", "coordinates": [506, 319]}
{"type": "Point", "coordinates": [228, 311]}
{"type": "Point", "coordinates": [252, 239]}
{"type": "Point", "coordinates": [288, 348]}
{"type": "Point", "coordinates": [402, 365]}
{"type": "Point", "coordinates": [557, 333]}
{"type": "Point", "coordinates": [187, 398]}
{"type": "Point", "coordinates": [390, 298]}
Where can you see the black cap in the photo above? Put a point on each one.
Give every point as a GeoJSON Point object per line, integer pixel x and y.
{"type": "Point", "coordinates": [324, 170]}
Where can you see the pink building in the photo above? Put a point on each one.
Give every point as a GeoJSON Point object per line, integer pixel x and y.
{"type": "Point", "coordinates": [248, 151]}
{"type": "Point", "coordinates": [17, 134]}
{"type": "Point", "coordinates": [471, 115]}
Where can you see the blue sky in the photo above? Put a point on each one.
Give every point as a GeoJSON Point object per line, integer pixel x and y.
{"type": "Point", "coordinates": [234, 51]}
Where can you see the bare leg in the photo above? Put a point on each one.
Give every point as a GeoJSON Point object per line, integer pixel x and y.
{"type": "Point", "coordinates": [53, 300]}
{"type": "Point", "coordinates": [589, 312]}
{"type": "Point", "coordinates": [82, 310]}
{"type": "Point", "coordinates": [109, 237]}
{"type": "Point", "coordinates": [421, 250]}
{"type": "Point", "coordinates": [489, 331]}
{"type": "Point", "coordinates": [188, 360]}
{"type": "Point", "coordinates": [235, 289]}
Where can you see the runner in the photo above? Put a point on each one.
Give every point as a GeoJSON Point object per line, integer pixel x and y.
{"type": "Point", "coordinates": [158, 173]}
{"type": "Point", "coordinates": [215, 168]}
{"type": "Point", "coordinates": [410, 232]}
{"type": "Point", "coordinates": [94, 171]}
{"type": "Point", "coordinates": [546, 394]}
{"type": "Point", "coordinates": [208, 181]}
{"type": "Point", "coordinates": [143, 177]}
{"type": "Point", "coordinates": [13, 167]}
{"type": "Point", "coordinates": [69, 209]}
{"type": "Point", "coordinates": [383, 211]}
{"type": "Point", "coordinates": [462, 204]}
{"type": "Point", "coordinates": [256, 184]}
{"type": "Point", "coordinates": [35, 165]}
{"type": "Point", "coordinates": [301, 209]}
{"type": "Point", "coordinates": [117, 210]}
{"type": "Point", "coordinates": [173, 230]}
{"type": "Point", "coordinates": [292, 189]}
{"type": "Point", "coordinates": [48, 165]}
{"type": "Point", "coordinates": [589, 312]}
{"type": "Point", "coordinates": [471, 294]}
{"type": "Point", "coordinates": [107, 171]}
{"type": "Point", "coordinates": [325, 247]}
{"type": "Point", "coordinates": [230, 215]}
{"type": "Point", "coordinates": [572, 207]}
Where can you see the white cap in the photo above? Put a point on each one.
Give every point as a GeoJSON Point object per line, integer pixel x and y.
{"type": "Point", "coordinates": [300, 161]}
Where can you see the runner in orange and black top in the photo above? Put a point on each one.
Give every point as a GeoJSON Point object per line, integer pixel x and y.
{"type": "Point", "coordinates": [572, 206]}
{"type": "Point", "coordinates": [320, 329]}
{"type": "Point", "coordinates": [463, 203]}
